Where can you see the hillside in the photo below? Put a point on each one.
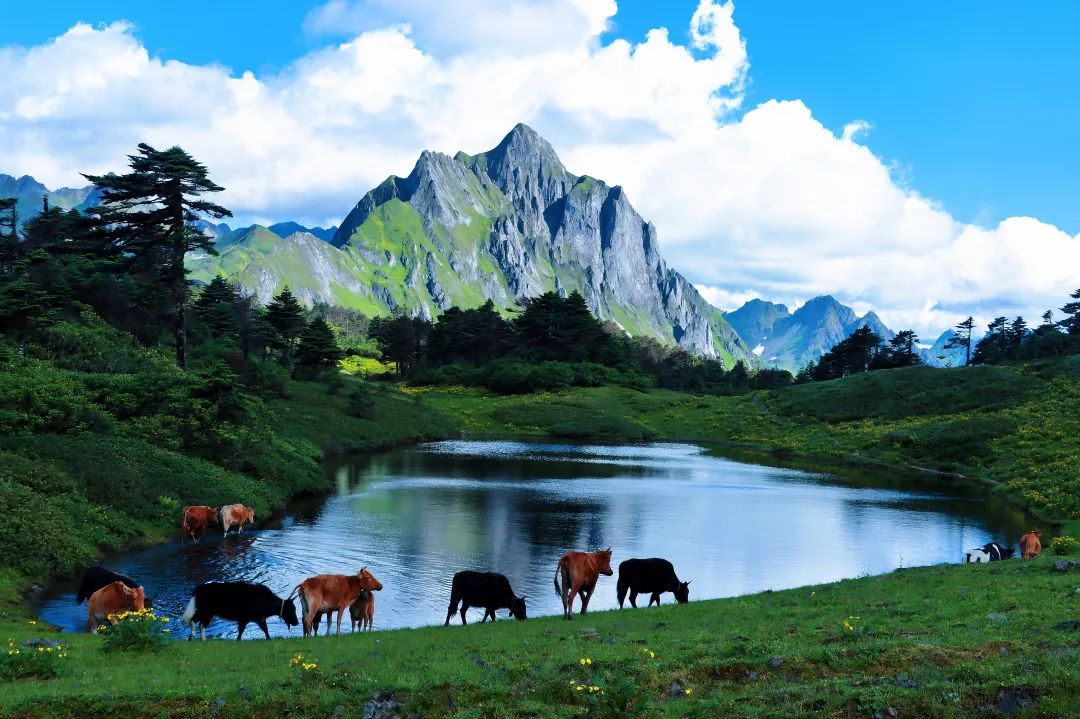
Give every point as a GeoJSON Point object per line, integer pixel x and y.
{"type": "Point", "coordinates": [501, 225]}
{"type": "Point", "coordinates": [29, 194]}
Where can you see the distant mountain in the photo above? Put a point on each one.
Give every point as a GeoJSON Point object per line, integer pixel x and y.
{"type": "Point", "coordinates": [211, 230]}
{"type": "Point", "coordinates": [503, 225]}
{"type": "Point", "coordinates": [284, 229]}
{"type": "Point", "coordinates": [954, 357]}
{"type": "Point", "coordinates": [29, 194]}
{"type": "Point", "coordinates": [791, 340]}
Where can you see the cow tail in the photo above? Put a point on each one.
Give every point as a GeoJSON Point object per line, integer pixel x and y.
{"type": "Point", "coordinates": [189, 613]}
{"type": "Point", "coordinates": [558, 571]}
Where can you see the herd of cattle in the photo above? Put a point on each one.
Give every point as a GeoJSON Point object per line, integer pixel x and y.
{"type": "Point", "coordinates": [108, 593]}
{"type": "Point", "coordinates": [576, 575]}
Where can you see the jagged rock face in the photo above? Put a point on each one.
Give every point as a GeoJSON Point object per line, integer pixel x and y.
{"type": "Point", "coordinates": [512, 223]}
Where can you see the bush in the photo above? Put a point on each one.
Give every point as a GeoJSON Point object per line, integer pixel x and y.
{"type": "Point", "coordinates": [135, 631]}
{"type": "Point", "coordinates": [607, 427]}
{"type": "Point", "coordinates": [1064, 545]}
{"type": "Point", "coordinates": [36, 658]}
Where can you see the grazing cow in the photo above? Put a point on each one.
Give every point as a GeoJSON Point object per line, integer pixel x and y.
{"type": "Point", "coordinates": [1030, 546]}
{"type": "Point", "coordinates": [332, 593]}
{"type": "Point", "coordinates": [112, 599]}
{"type": "Point", "coordinates": [489, 590]}
{"type": "Point", "coordinates": [240, 602]}
{"type": "Point", "coordinates": [579, 572]}
{"type": "Point", "coordinates": [236, 514]}
{"type": "Point", "coordinates": [196, 519]}
{"type": "Point", "coordinates": [653, 576]}
{"type": "Point", "coordinates": [992, 552]}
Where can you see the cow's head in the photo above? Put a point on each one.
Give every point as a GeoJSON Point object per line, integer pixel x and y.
{"type": "Point", "coordinates": [136, 598]}
{"type": "Point", "coordinates": [517, 608]}
{"type": "Point", "coordinates": [603, 562]}
{"type": "Point", "coordinates": [682, 593]}
{"type": "Point", "coordinates": [288, 613]}
{"type": "Point", "coordinates": [1036, 532]}
{"type": "Point", "coordinates": [368, 582]}
{"type": "Point", "coordinates": [249, 514]}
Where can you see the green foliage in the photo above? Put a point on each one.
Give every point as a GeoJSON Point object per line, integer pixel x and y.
{"type": "Point", "coordinates": [135, 631]}
{"type": "Point", "coordinates": [318, 346]}
{"type": "Point", "coordinates": [32, 659]}
{"type": "Point", "coordinates": [1064, 545]}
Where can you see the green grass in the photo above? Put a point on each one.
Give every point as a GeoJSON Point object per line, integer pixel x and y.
{"type": "Point", "coordinates": [940, 641]}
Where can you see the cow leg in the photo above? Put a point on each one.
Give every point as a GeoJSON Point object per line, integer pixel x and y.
{"type": "Point", "coordinates": [464, 608]}
{"type": "Point", "coordinates": [242, 626]}
{"type": "Point", "coordinates": [585, 597]}
{"type": "Point", "coordinates": [339, 613]}
{"type": "Point", "coordinates": [633, 599]}
{"type": "Point", "coordinates": [622, 589]}
{"type": "Point", "coordinates": [202, 632]}
{"type": "Point", "coordinates": [568, 605]}
{"type": "Point", "coordinates": [262, 626]}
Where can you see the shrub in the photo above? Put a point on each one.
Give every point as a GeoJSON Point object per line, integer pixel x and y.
{"type": "Point", "coordinates": [136, 631]}
{"type": "Point", "coordinates": [37, 658]}
{"type": "Point", "coordinates": [1064, 545]}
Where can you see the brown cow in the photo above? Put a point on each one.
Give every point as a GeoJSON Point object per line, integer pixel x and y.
{"type": "Point", "coordinates": [196, 519]}
{"type": "Point", "coordinates": [362, 611]}
{"type": "Point", "coordinates": [236, 514]}
{"type": "Point", "coordinates": [332, 593]}
{"type": "Point", "coordinates": [112, 599]}
{"type": "Point", "coordinates": [1030, 546]}
{"type": "Point", "coordinates": [580, 572]}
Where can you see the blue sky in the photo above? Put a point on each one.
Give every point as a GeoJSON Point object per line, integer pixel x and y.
{"type": "Point", "coordinates": [974, 104]}
{"type": "Point", "coordinates": [914, 158]}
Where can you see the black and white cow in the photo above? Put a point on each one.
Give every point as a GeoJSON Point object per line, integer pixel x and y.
{"type": "Point", "coordinates": [240, 602]}
{"type": "Point", "coordinates": [992, 552]}
{"type": "Point", "coordinates": [489, 590]}
{"type": "Point", "coordinates": [96, 577]}
{"type": "Point", "coordinates": [650, 576]}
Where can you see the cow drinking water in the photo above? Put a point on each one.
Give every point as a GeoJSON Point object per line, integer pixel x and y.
{"type": "Point", "coordinates": [650, 576]}
{"type": "Point", "coordinates": [240, 602]}
{"type": "Point", "coordinates": [579, 572]}
{"type": "Point", "coordinates": [96, 577]}
{"type": "Point", "coordinates": [488, 590]}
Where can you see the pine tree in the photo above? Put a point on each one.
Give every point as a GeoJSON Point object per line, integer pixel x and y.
{"type": "Point", "coordinates": [286, 316]}
{"type": "Point", "coordinates": [962, 338]}
{"type": "Point", "coordinates": [318, 346]}
{"type": "Point", "coordinates": [149, 212]}
{"type": "Point", "coordinates": [1015, 335]}
{"type": "Point", "coordinates": [9, 238]}
{"type": "Point", "coordinates": [994, 347]}
{"type": "Point", "coordinates": [216, 306]}
{"type": "Point", "coordinates": [1071, 323]}
{"type": "Point", "coordinates": [903, 350]}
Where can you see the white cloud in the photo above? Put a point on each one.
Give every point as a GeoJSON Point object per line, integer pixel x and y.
{"type": "Point", "coordinates": [770, 203]}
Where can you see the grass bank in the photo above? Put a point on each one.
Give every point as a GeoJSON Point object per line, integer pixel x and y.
{"type": "Point", "coordinates": [1014, 430]}
{"type": "Point", "coordinates": [950, 641]}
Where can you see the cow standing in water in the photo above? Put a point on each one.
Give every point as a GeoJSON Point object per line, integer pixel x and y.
{"type": "Point", "coordinates": [196, 519]}
{"type": "Point", "coordinates": [488, 590]}
{"type": "Point", "coordinates": [650, 576]}
{"type": "Point", "coordinates": [579, 572]}
{"type": "Point", "coordinates": [1030, 545]}
{"type": "Point", "coordinates": [236, 515]}
{"type": "Point", "coordinates": [96, 577]}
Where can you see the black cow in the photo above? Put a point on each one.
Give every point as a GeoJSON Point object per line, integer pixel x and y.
{"type": "Point", "coordinates": [998, 552]}
{"type": "Point", "coordinates": [489, 590]}
{"type": "Point", "coordinates": [241, 602]}
{"type": "Point", "coordinates": [655, 576]}
{"type": "Point", "coordinates": [96, 577]}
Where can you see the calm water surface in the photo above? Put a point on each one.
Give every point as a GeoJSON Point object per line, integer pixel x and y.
{"type": "Point", "coordinates": [417, 515]}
